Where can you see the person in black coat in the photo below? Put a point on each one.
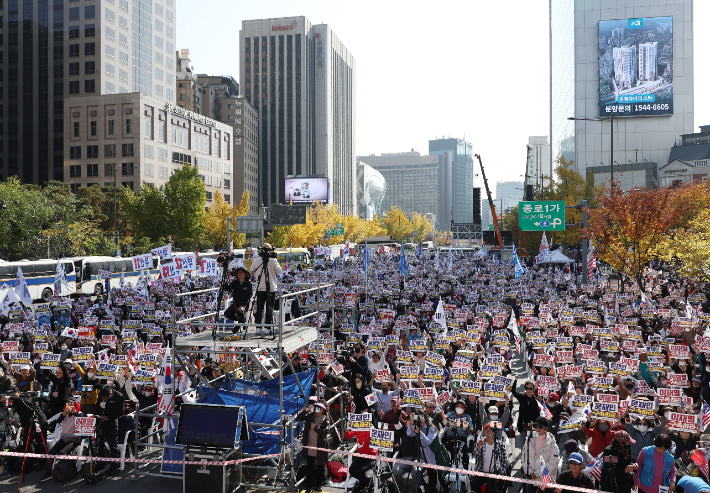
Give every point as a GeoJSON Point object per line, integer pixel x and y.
{"type": "Point", "coordinates": [61, 389]}
{"type": "Point", "coordinates": [360, 364]}
{"type": "Point", "coordinates": [528, 410]}
{"type": "Point", "coordinates": [110, 409]}
{"type": "Point", "coordinates": [358, 392]}
{"type": "Point", "coordinates": [148, 397]}
{"type": "Point", "coordinates": [242, 292]}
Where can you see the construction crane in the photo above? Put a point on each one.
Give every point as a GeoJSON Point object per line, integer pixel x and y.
{"type": "Point", "coordinates": [493, 207]}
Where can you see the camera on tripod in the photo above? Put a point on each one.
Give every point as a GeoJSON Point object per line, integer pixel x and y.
{"type": "Point", "coordinates": [266, 253]}
{"type": "Point", "coordinates": [224, 259]}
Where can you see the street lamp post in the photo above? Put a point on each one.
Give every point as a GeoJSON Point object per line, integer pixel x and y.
{"type": "Point", "coordinates": [611, 138]}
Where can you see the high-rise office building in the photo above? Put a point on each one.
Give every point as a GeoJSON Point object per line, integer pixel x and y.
{"type": "Point", "coordinates": [462, 177]}
{"type": "Point", "coordinates": [537, 173]}
{"type": "Point", "coordinates": [300, 78]}
{"type": "Point", "coordinates": [66, 48]}
{"type": "Point", "coordinates": [508, 194]}
{"type": "Point", "coordinates": [648, 54]}
{"type": "Point", "coordinates": [416, 183]}
{"type": "Point", "coordinates": [575, 64]}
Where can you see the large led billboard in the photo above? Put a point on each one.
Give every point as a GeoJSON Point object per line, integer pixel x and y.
{"type": "Point", "coordinates": [300, 190]}
{"type": "Point", "coordinates": [636, 67]}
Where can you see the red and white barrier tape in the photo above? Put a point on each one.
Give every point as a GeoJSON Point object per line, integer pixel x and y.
{"type": "Point", "coordinates": [140, 461]}
{"type": "Point", "coordinates": [539, 484]}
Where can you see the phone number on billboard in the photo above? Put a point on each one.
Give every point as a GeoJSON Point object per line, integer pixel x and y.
{"type": "Point", "coordinates": [636, 108]}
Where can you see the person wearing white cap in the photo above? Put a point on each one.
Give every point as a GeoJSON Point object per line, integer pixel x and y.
{"type": "Point", "coordinates": [265, 275]}
{"type": "Point", "coordinates": [25, 379]}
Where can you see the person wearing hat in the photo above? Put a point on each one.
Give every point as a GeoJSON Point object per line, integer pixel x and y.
{"type": "Point", "coordinates": [617, 472]}
{"type": "Point", "coordinates": [25, 378]}
{"type": "Point", "coordinates": [395, 419]}
{"type": "Point", "coordinates": [490, 456]}
{"type": "Point", "coordinates": [573, 476]}
{"type": "Point", "coordinates": [570, 447]}
{"type": "Point", "coordinates": [147, 398]}
{"type": "Point", "coordinates": [242, 292]}
{"type": "Point", "coordinates": [109, 410]}
{"type": "Point", "coordinates": [541, 443]}
{"type": "Point", "coordinates": [265, 274]}
{"type": "Point", "coordinates": [315, 434]}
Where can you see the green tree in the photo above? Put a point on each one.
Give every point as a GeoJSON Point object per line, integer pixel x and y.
{"type": "Point", "coordinates": [148, 212]}
{"type": "Point", "coordinates": [185, 198]}
{"type": "Point", "coordinates": [27, 213]}
{"type": "Point", "coordinates": [396, 223]}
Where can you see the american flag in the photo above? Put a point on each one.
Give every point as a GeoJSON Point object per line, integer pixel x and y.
{"type": "Point", "coordinates": [546, 476]}
{"type": "Point", "coordinates": [337, 368]}
{"type": "Point", "coordinates": [705, 420]}
{"type": "Point", "coordinates": [595, 468]}
{"type": "Point", "coordinates": [131, 356]}
{"type": "Point", "coordinates": [544, 410]}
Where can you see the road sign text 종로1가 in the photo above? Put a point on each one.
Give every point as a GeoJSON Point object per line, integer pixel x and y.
{"type": "Point", "coordinates": [548, 215]}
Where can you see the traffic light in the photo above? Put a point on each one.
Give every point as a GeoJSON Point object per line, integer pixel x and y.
{"type": "Point", "coordinates": [476, 205]}
{"type": "Point", "coordinates": [529, 194]}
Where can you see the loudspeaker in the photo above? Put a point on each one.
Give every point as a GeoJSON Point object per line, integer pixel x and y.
{"type": "Point", "coordinates": [476, 205]}
{"type": "Point", "coordinates": [215, 479]}
{"type": "Point", "coordinates": [529, 193]}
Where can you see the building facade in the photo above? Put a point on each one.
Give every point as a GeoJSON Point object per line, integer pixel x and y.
{"type": "Point", "coordinates": [134, 140]}
{"type": "Point", "coordinates": [688, 162]}
{"type": "Point", "coordinates": [417, 183]}
{"type": "Point", "coordinates": [636, 139]}
{"type": "Point", "coordinates": [628, 176]}
{"type": "Point", "coordinates": [63, 48]}
{"type": "Point", "coordinates": [300, 78]}
{"type": "Point", "coordinates": [462, 176]}
{"type": "Point", "coordinates": [188, 92]}
{"type": "Point", "coordinates": [537, 172]}
{"type": "Point", "coordinates": [508, 194]}
{"type": "Point", "coordinates": [562, 82]}
{"type": "Point", "coordinates": [371, 190]}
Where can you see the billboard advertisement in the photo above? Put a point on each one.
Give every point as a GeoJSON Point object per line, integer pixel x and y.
{"type": "Point", "coordinates": [306, 190]}
{"type": "Point", "coordinates": [636, 67]}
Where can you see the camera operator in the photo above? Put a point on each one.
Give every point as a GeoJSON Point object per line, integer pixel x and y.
{"type": "Point", "coordinates": [420, 428]}
{"type": "Point", "coordinates": [242, 291]}
{"type": "Point", "coordinates": [267, 258]}
{"type": "Point", "coordinates": [28, 410]}
{"type": "Point", "coordinates": [617, 472]}
{"type": "Point", "coordinates": [110, 409]}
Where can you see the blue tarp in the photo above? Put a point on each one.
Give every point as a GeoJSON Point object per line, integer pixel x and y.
{"type": "Point", "coordinates": [261, 409]}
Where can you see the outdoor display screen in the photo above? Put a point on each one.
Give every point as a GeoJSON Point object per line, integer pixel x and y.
{"type": "Point", "coordinates": [214, 426]}
{"type": "Point", "coordinates": [300, 190]}
{"type": "Point", "coordinates": [636, 67]}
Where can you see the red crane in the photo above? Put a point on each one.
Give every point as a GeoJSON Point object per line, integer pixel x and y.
{"type": "Point", "coordinates": [493, 207]}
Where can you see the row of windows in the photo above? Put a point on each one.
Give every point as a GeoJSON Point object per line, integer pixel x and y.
{"type": "Point", "coordinates": [92, 151]}
{"type": "Point", "coordinates": [92, 170]}
{"type": "Point", "coordinates": [110, 126]}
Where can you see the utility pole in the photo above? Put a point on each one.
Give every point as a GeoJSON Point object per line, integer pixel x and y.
{"type": "Point", "coordinates": [115, 207]}
{"type": "Point", "coordinates": [611, 146]}
{"type": "Point", "coordinates": [585, 246]}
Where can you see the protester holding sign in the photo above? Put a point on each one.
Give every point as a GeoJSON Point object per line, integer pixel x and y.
{"type": "Point", "coordinates": [89, 398]}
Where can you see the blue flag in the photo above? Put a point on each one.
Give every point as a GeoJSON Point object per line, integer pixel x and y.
{"type": "Point", "coordinates": [335, 264]}
{"type": "Point", "coordinates": [519, 269]}
{"type": "Point", "coordinates": [107, 282]}
{"type": "Point", "coordinates": [366, 260]}
{"type": "Point", "coordinates": [403, 262]}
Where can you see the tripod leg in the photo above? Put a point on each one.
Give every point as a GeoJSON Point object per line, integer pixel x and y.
{"type": "Point", "coordinates": [46, 451]}
{"type": "Point", "coordinates": [22, 469]}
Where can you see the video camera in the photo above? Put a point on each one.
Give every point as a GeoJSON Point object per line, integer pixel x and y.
{"type": "Point", "coordinates": [225, 258]}
{"type": "Point", "coordinates": [266, 253]}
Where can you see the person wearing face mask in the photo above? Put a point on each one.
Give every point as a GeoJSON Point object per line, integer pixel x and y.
{"type": "Point", "coordinates": [541, 443]}
{"type": "Point", "coordinates": [65, 349]}
{"type": "Point", "coordinates": [490, 456]}
{"type": "Point", "coordinates": [360, 363]}
{"type": "Point", "coordinates": [147, 398]}
{"type": "Point", "coordinates": [61, 389]}
{"type": "Point", "coordinates": [109, 410]}
{"type": "Point", "coordinates": [458, 426]}
{"type": "Point", "coordinates": [601, 433]}
{"type": "Point", "coordinates": [643, 431]}
{"type": "Point", "coordinates": [359, 391]}
{"type": "Point", "coordinates": [67, 441]}
{"type": "Point", "coordinates": [682, 366]}
{"type": "Point", "coordinates": [315, 434]}
{"type": "Point", "coordinates": [617, 471]}
{"type": "Point", "coordinates": [696, 390]}
{"type": "Point", "coordinates": [88, 378]}
{"type": "Point", "coordinates": [528, 410]}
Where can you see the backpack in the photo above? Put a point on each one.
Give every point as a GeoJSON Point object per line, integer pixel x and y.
{"type": "Point", "coordinates": [65, 470]}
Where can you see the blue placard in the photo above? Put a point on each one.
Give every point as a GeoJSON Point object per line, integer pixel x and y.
{"type": "Point", "coordinates": [170, 453]}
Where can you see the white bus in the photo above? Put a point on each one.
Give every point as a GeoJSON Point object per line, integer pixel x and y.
{"type": "Point", "coordinates": [39, 275]}
{"type": "Point", "coordinates": [88, 281]}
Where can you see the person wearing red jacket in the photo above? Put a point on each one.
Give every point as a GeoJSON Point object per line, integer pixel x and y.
{"type": "Point", "coordinates": [602, 433]}
{"type": "Point", "coordinates": [360, 465]}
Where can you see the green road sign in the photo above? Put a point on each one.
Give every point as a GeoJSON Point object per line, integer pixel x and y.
{"type": "Point", "coordinates": [338, 231]}
{"type": "Point", "coordinates": [547, 215]}
{"type": "Point", "coordinates": [339, 225]}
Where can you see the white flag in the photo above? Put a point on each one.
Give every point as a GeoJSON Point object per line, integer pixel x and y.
{"type": "Point", "coordinates": [21, 289]}
{"type": "Point", "coordinates": [8, 300]}
{"type": "Point", "coordinates": [439, 315]}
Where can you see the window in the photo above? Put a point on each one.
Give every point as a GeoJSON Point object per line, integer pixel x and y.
{"type": "Point", "coordinates": [158, 73]}
{"type": "Point", "coordinates": [75, 152]}
{"type": "Point", "coordinates": [227, 198]}
{"type": "Point", "coordinates": [90, 31]}
{"type": "Point", "coordinates": [208, 196]}
{"type": "Point", "coordinates": [128, 126]}
{"type": "Point", "coordinates": [108, 169]}
{"type": "Point", "coordinates": [92, 152]}
{"type": "Point", "coordinates": [73, 87]}
{"type": "Point", "coordinates": [182, 97]}
{"type": "Point", "coordinates": [122, 75]}
{"type": "Point", "coordinates": [73, 32]}
{"type": "Point", "coordinates": [110, 70]}
{"type": "Point", "coordinates": [93, 129]}
{"type": "Point", "coordinates": [169, 47]}
{"type": "Point", "coordinates": [110, 34]}
{"type": "Point", "coordinates": [89, 49]}
{"type": "Point", "coordinates": [89, 12]}
{"type": "Point", "coordinates": [75, 187]}
{"type": "Point", "coordinates": [123, 22]}
{"type": "Point", "coordinates": [127, 150]}
{"type": "Point", "coordinates": [90, 86]}
{"type": "Point", "coordinates": [148, 169]}
{"type": "Point", "coordinates": [74, 14]}
{"type": "Point", "coordinates": [148, 123]}
{"type": "Point", "coordinates": [159, 42]}
{"type": "Point", "coordinates": [109, 150]}
{"type": "Point", "coordinates": [92, 169]}
{"type": "Point", "coordinates": [158, 9]}
{"type": "Point", "coordinates": [76, 129]}
{"type": "Point", "coordinates": [161, 132]}
{"type": "Point", "coordinates": [90, 67]}
{"type": "Point", "coordinates": [227, 184]}
{"type": "Point", "coordinates": [110, 51]}
{"type": "Point", "coordinates": [75, 170]}
{"type": "Point", "coordinates": [58, 53]}
{"type": "Point", "coordinates": [162, 154]}
{"type": "Point", "coordinates": [110, 129]}
{"type": "Point", "coordinates": [73, 50]}
{"type": "Point", "coordinates": [123, 57]}
{"type": "Point", "coordinates": [230, 106]}
{"type": "Point", "coordinates": [127, 169]}
{"type": "Point", "coordinates": [149, 151]}
{"type": "Point", "coordinates": [169, 31]}
{"type": "Point", "coordinates": [123, 4]}
{"type": "Point", "coordinates": [74, 68]}
{"type": "Point", "coordinates": [110, 15]}
{"type": "Point", "coordinates": [158, 25]}
{"type": "Point", "coordinates": [122, 39]}
{"type": "Point", "coordinates": [230, 117]}
{"type": "Point", "coordinates": [169, 14]}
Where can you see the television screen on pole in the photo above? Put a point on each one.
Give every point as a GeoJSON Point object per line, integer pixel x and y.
{"type": "Point", "coordinates": [306, 190]}
{"type": "Point", "coordinates": [636, 67]}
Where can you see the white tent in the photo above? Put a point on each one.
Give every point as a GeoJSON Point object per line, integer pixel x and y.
{"type": "Point", "coordinates": [557, 257]}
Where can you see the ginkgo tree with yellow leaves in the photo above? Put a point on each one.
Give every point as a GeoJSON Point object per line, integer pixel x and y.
{"type": "Point", "coordinates": [215, 221]}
